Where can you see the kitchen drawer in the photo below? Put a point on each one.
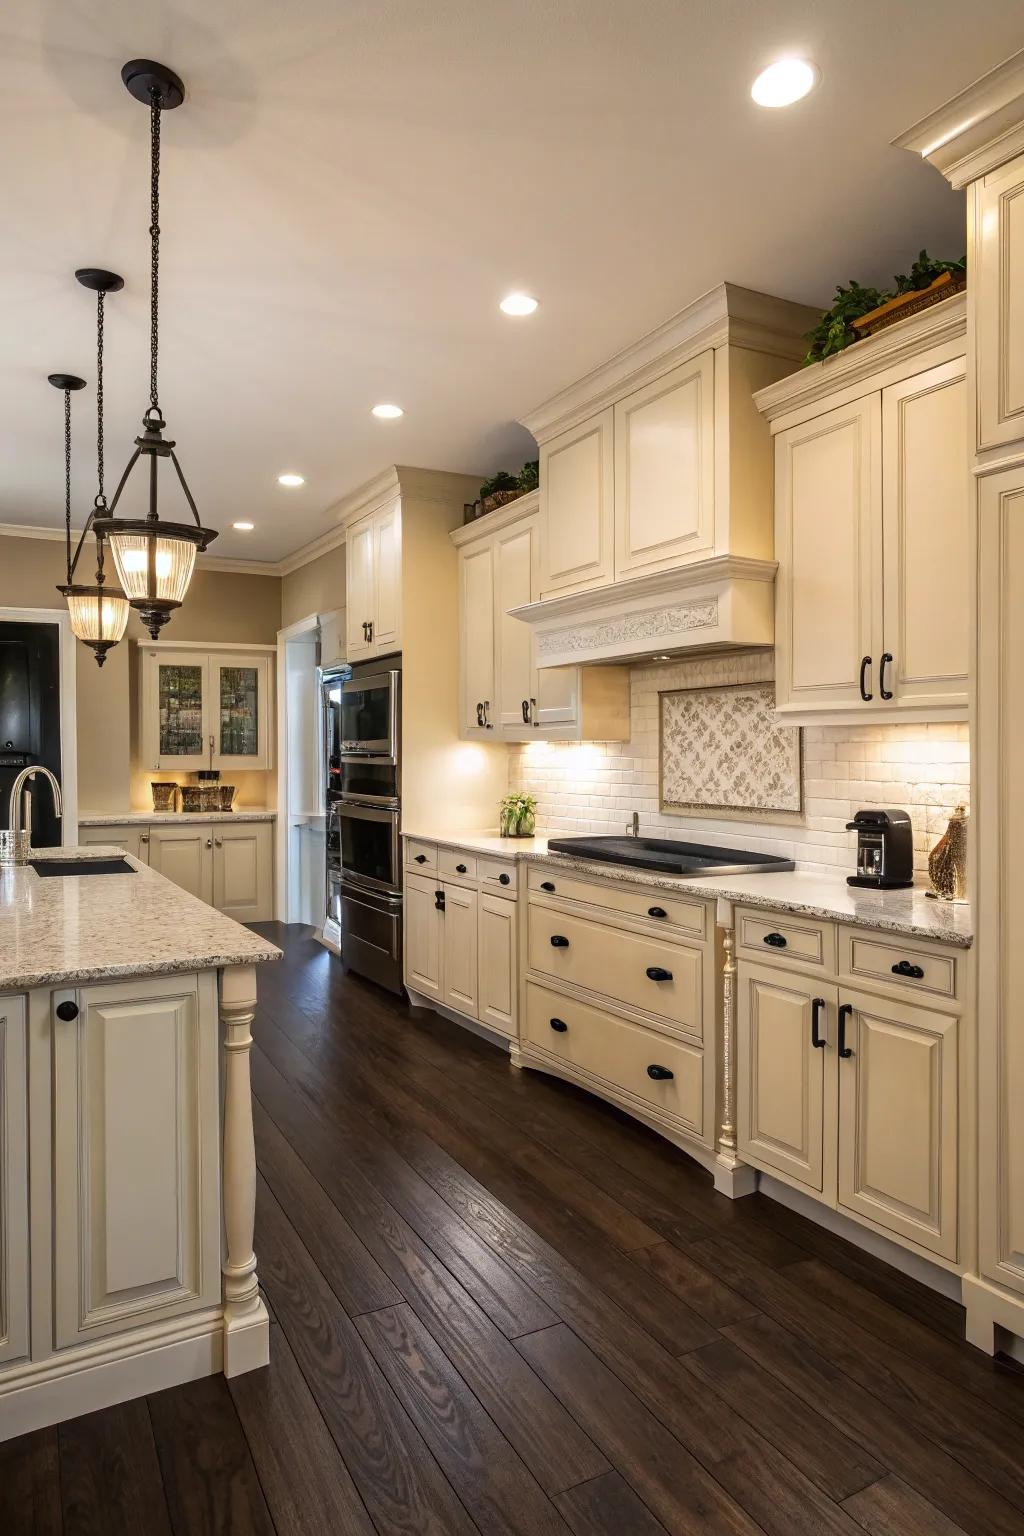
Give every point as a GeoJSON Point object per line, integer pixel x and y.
{"type": "Point", "coordinates": [619, 964]}
{"type": "Point", "coordinates": [421, 856]}
{"type": "Point", "coordinates": [497, 876]}
{"type": "Point", "coordinates": [868, 957]}
{"type": "Point", "coordinates": [620, 1053]}
{"type": "Point", "coordinates": [689, 915]}
{"type": "Point", "coordinates": [455, 864]}
{"type": "Point", "coordinates": [800, 941]}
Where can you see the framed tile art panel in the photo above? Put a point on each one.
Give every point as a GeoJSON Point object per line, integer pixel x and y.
{"type": "Point", "coordinates": [721, 750]}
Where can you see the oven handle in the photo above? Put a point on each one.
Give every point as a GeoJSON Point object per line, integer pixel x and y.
{"type": "Point", "coordinates": [366, 810]}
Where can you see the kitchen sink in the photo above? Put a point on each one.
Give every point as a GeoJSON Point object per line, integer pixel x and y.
{"type": "Point", "coordinates": [48, 867]}
{"type": "Point", "coordinates": [668, 856]}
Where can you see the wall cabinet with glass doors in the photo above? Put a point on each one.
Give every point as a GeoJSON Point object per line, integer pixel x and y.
{"type": "Point", "coordinates": [203, 707]}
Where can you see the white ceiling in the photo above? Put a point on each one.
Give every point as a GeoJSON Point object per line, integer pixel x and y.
{"type": "Point", "coordinates": [351, 187]}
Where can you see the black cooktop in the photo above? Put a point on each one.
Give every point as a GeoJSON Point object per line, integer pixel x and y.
{"type": "Point", "coordinates": [668, 856]}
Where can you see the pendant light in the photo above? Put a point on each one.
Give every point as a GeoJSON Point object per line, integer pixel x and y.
{"type": "Point", "coordinates": [99, 614]}
{"type": "Point", "coordinates": [154, 558]}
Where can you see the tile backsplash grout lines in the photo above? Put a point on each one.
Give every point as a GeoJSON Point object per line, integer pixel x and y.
{"type": "Point", "coordinates": [595, 786]}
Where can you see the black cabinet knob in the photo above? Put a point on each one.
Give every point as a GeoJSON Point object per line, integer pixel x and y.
{"type": "Point", "coordinates": [559, 941]}
{"type": "Point", "coordinates": [504, 879]}
{"type": "Point", "coordinates": [547, 885]}
{"type": "Point", "coordinates": [421, 858]}
{"type": "Point", "coordinates": [776, 940]}
{"type": "Point", "coordinates": [67, 1011]}
{"type": "Point", "coordinates": [558, 1025]}
{"type": "Point", "coordinates": [658, 973]}
{"type": "Point", "coordinates": [905, 968]}
{"type": "Point", "coordinates": [656, 912]}
{"type": "Point", "coordinates": [460, 869]}
{"type": "Point", "coordinates": [659, 1074]}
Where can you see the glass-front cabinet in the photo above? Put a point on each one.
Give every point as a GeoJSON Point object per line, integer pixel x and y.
{"type": "Point", "coordinates": [205, 708]}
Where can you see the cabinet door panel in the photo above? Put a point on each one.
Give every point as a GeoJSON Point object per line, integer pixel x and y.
{"type": "Point", "coordinates": [130, 836]}
{"type": "Point", "coordinates": [423, 935]}
{"type": "Point", "coordinates": [898, 1136]}
{"type": "Point", "coordinates": [577, 508]}
{"type": "Point", "coordinates": [136, 1233]}
{"type": "Point", "coordinates": [927, 549]}
{"type": "Point", "coordinates": [476, 597]}
{"type": "Point", "coordinates": [183, 854]}
{"type": "Point", "coordinates": [242, 873]}
{"type": "Point", "coordinates": [665, 470]}
{"type": "Point", "coordinates": [460, 949]}
{"type": "Point", "coordinates": [240, 688]}
{"type": "Point", "coordinates": [176, 711]}
{"type": "Point", "coordinates": [14, 1271]}
{"type": "Point", "coordinates": [828, 545]}
{"type": "Point", "coordinates": [781, 1077]}
{"type": "Point", "coordinates": [997, 277]}
{"type": "Point", "coordinates": [387, 575]}
{"type": "Point", "coordinates": [497, 935]}
{"type": "Point", "coordinates": [360, 587]}
{"type": "Point", "coordinates": [515, 578]}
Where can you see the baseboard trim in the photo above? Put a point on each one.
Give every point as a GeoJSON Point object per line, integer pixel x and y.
{"type": "Point", "coordinates": [421, 1004]}
{"type": "Point", "coordinates": [995, 1318]}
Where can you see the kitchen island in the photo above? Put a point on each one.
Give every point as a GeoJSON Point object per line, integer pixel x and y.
{"type": "Point", "coordinates": [127, 1184]}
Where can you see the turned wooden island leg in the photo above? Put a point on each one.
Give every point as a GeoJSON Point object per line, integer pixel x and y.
{"type": "Point", "coordinates": [732, 1177]}
{"type": "Point", "coordinates": [246, 1324]}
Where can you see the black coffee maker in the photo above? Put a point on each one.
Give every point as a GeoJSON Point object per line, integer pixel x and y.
{"type": "Point", "coordinates": [885, 850]}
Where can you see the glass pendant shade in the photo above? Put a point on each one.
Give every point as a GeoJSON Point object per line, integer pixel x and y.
{"type": "Point", "coordinates": [154, 564]}
{"type": "Point", "coordinates": [98, 617]}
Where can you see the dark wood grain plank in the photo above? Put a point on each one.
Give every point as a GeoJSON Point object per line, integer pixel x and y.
{"type": "Point", "coordinates": [110, 1479]}
{"type": "Point", "coordinates": [890, 1508]}
{"type": "Point", "coordinates": [305, 1481]}
{"type": "Point", "coordinates": [208, 1475]}
{"type": "Point", "coordinates": [708, 1296]}
{"type": "Point", "coordinates": [607, 1506]}
{"type": "Point", "coordinates": [483, 1468]}
{"type": "Point", "coordinates": [30, 1485]}
{"type": "Point", "coordinates": [404, 1490]}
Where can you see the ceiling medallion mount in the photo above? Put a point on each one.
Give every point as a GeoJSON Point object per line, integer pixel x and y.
{"type": "Point", "coordinates": [99, 280]}
{"type": "Point", "coordinates": [65, 381]}
{"type": "Point", "coordinates": [145, 80]}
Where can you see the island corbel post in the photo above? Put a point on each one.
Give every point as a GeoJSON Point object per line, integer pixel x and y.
{"type": "Point", "coordinates": [733, 1177]}
{"type": "Point", "coordinates": [246, 1322]}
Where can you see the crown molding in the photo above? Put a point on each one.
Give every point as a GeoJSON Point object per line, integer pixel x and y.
{"type": "Point", "coordinates": [492, 522]}
{"type": "Point", "coordinates": [221, 563]}
{"type": "Point", "coordinates": [898, 343]}
{"type": "Point", "coordinates": [978, 130]}
{"type": "Point", "coordinates": [725, 315]}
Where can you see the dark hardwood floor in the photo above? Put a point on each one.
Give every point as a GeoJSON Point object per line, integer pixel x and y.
{"type": "Point", "coordinates": [499, 1306]}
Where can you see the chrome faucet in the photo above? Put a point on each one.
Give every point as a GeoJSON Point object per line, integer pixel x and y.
{"type": "Point", "coordinates": [633, 826]}
{"type": "Point", "coordinates": [15, 844]}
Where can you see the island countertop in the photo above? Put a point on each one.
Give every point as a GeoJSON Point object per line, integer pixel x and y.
{"type": "Point", "coordinates": [65, 930]}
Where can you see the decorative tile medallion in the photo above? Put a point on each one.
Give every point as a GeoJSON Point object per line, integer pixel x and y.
{"type": "Point", "coordinates": [721, 749]}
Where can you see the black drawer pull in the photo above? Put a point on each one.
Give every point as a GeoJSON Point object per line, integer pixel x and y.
{"type": "Point", "coordinates": [844, 1014]}
{"type": "Point", "coordinates": [558, 1025]}
{"type": "Point", "coordinates": [421, 858]}
{"type": "Point", "coordinates": [907, 968]}
{"type": "Point", "coordinates": [439, 900]}
{"type": "Point", "coordinates": [656, 912]}
{"type": "Point", "coordinates": [817, 1040]}
{"type": "Point", "coordinates": [504, 879]}
{"type": "Point", "coordinates": [559, 941]}
{"type": "Point", "coordinates": [67, 1011]}
{"type": "Point", "coordinates": [658, 973]}
{"type": "Point", "coordinates": [659, 1074]}
{"type": "Point", "coordinates": [547, 885]}
{"type": "Point", "coordinates": [460, 869]}
{"type": "Point", "coordinates": [776, 940]}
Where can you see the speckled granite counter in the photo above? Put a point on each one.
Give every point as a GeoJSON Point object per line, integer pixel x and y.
{"type": "Point", "coordinates": [911, 913]}
{"type": "Point", "coordinates": [157, 818]}
{"type": "Point", "coordinates": [78, 928]}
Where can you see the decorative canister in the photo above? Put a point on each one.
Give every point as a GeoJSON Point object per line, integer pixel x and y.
{"type": "Point", "coordinates": [227, 796]}
{"type": "Point", "coordinates": [210, 796]}
{"type": "Point", "coordinates": [947, 862]}
{"type": "Point", "coordinates": [164, 796]}
{"type": "Point", "coordinates": [192, 797]}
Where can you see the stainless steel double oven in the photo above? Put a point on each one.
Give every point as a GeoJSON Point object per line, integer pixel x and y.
{"type": "Point", "coordinates": [362, 722]}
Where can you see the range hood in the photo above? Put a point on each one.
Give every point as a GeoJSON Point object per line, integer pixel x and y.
{"type": "Point", "coordinates": [723, 603]}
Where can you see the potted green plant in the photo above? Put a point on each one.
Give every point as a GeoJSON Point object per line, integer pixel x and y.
{"type": "Point", "coordinates": [529, 476]}
{"type": "Point", "coordinates": [517, 815]}
{"type": "Point", "coordinates": [858, 311]}
{"type": "Point", "coordinates": [498, 490]}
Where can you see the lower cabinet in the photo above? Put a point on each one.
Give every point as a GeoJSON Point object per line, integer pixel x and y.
{"type": "Point", "coordinates": [130, 836]}
{"type": "Point", "coordinates": [14, 1261]}
{"type": "Point", "coordinates": [230, 865]}
{"type": "Point", "coordinates": [185, 855]}
{"type": "Point", "coordinates": [461, 948]}
{"type": "Point", "coordinates": [135, 1086]}
{"type": "Point", "coordinates": [496, 969]}
{"type": "Point", "coordinates": [458, 925]}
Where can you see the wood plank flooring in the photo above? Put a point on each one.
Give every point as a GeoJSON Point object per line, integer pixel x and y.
{"type": "Point", "coordinates": [501, 1307]}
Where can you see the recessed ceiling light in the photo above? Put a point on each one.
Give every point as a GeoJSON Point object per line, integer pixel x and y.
{"type": "Point", "coordinates": [388, 412]}
{"type": "Point", "coordinates": [518, 304]}
{"type": "Point", "coordinates": [661, 658]}
{"type": "Point", "coordinates": [784, 82]}
{"type": "Point", "coordinates": [291, 479]}
{"type": "Point", "coordinates": [244, 527]}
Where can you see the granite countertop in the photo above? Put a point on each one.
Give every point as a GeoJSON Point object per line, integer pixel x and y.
{"type": "Point", "coordinates": [79, 928]}
{"type": "Point", "coordinates": [156, 818]}
{"type": "Point", "coordinates": [911, 912]}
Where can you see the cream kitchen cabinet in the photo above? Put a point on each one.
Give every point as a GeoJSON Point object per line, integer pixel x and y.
{"type": "Point", "coordinates": [136, 1235]}
{"type": "Point", "coordinates": [373, 583]}
{"type": "Point", "coordinates": [14, 1253]}
{"type": "Point", "coordinates": [230, 865]}
{"type": "Point", "coordinates": [997, 273]}
{"type": "Point", "coordinates": [497, 924]}
{"type": "Point", "coordinates": [459, 948]}
{"type": "Point", "coordinates": [424, 932]}
{"type": "Point", "coordinates": [872, 534]}
{"type": "Point", "coordinates": [130, 836]}
{"type": "Point", "coordinates": [184, 853]}
{"type": "Point", "coordinates": [577, 503]}
{"type": "Point", "coordinates": [205, 707]}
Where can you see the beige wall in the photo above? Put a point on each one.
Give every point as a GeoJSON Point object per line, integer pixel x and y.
{"type": "Point", "coordinates": [221, 606]}
{"type": "Point", "coordinates": [317, 587]}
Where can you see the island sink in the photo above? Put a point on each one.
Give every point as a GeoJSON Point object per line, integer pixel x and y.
{"type": "Point", "coordinates": [48, 867]}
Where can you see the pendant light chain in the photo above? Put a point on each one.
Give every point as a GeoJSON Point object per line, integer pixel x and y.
{"type": "Point", "coordinates": [101, 499]}
{"type": "Point", "coordinates": [154, 235]}
{"type": "Point", "coordinates": [67, 478]}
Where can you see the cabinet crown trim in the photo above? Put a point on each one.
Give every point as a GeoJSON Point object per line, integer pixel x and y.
{"type": "Point", "coordinates": [975, 131]}
{"type": "Point", "coordinates": [864, 360]}
{"type": "Point", "coordinates": [693, 579]}
{"type": "Point", "coordinates": [492, 522]}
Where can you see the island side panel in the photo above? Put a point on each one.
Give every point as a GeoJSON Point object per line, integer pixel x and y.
{"type": "Point", "coordinates": [246, 1323]}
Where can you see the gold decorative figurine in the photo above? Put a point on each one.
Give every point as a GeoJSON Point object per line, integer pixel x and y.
{"type": "Point", "coordinates": [947, 862]}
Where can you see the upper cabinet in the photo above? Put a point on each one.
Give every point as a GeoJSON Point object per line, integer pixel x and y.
{"type": "Point", "coordinates": [577, 507]}
{"type": "Point", "coordinates": [997, 272]}
{"type": "Point", "coordinates": [206, 708]}
{"type": "Point", "coordinates": [373, 582]}
{"type": "Point", "coordinates": [871, 527]}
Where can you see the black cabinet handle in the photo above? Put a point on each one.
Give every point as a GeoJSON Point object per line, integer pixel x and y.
{"type": "Point", "coordinates": [558, 1025]}
{"type": "Point", "coordinates": [504, 879]}
{"type": "Point", "coordinates": [885, 692]}
{"type": "Point", "coordinates": [421, 858]}
{"type": "Point", "coordinates": [776, 940]}
{"type": "Point", "coordinates": [818, 1041]}
{"type": "Point", "coordinates": [67, 1011]}
{"type": "Point", "coordinates": [460, 869]}
{"type": "Point", "coordinates": [481, 722]}
{"type": "Point", "coordinates": [658, 973]}
{"type": "Point", "coordinates": [659, 1074]}
{"type": "Point", "coordinates": [369, 630]}
{"type": "Point", "coordinates": [526, 711]}
{"type": "Point", "coordinates": [547, 885]}
{"type": "Point", "coordinates": [559, 941]}
{"type": "Point", "coordinates": [906, 968]}
{"type": "Point", "coordinates": [865, 663]}
{"type": "Point", "coordinates": [844, 1014]}
{"type": "Point", "coordinates": [439, 900]}
{"type": "Point", "coordinates": [656, 912]}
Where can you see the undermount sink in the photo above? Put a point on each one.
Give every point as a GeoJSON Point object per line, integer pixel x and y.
{"type": "Point", "coordinates": [48, 867]}
{"type": "Point", "coordinates": [668, 856]}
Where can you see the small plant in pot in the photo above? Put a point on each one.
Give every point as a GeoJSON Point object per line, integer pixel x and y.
{"type": "Point", "coordinates": [499, 489]}
{"type": "Point", "coordinates": [517, 815]}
